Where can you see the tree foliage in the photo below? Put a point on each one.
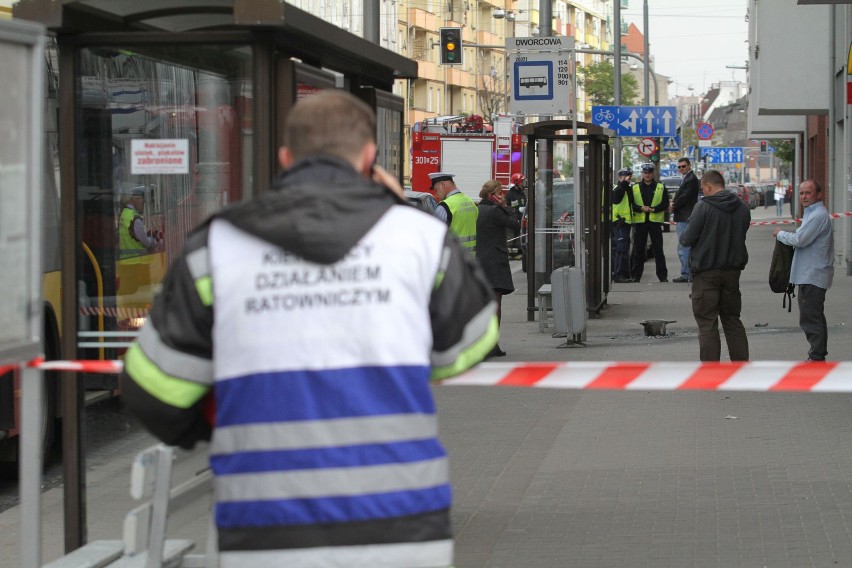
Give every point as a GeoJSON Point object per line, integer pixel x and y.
{"type": "Point", "coordinates": [783, 150]}
{"type": "Point", "coordinates": [598, 80]}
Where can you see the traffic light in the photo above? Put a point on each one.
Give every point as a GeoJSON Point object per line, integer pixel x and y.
{"type": "Point", "coordinates": [655, 157]}
{"type": "Point", "coordinates": [451, 46]}
{"type": "Point", "coordinates": [763, 145]}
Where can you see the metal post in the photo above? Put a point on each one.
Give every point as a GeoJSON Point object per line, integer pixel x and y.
{"type": "Point", "coordinates": [32, 397]}
{"type": "Point", "coordinates": [647, 54]}
{"type": "Point", "coordinates": [372, 21]}
{"type": "Point", "coordinates": [616, 64]}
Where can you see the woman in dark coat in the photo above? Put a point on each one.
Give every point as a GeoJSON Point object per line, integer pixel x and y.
{"type": "Point", "coordinates": [491, 250]}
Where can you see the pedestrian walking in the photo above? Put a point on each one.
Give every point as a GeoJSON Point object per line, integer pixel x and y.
{"type": "Point", "coordinates": [717, 236]}
{"type": "Point", "coordinates": [650, 202]}
{"type": "Point", "coordinates": [681, 208]}
{"type": "Point", "coordinates": [780, 195]}
{"type": "Point", "coordinates": [813, 266]}
{"type": "Point", "coordinates": [622, 221]}
{"type": "Point", "coordinates": [495, 217]}
{"type": "Point", "coordinates": [455, 209]}
{"type": "Point", "coordinates": [311, 331]}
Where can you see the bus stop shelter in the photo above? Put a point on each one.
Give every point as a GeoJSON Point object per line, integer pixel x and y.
{"type": "Point", "coordinates": [568, 227]}
{"type": "Point", "coordinates": [205, 84]}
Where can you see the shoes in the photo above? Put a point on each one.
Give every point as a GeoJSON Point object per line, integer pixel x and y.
{"type": "Point", "coordinates": [681, 279]}
{"type": "Point", "coordinates": [665, 280]}
{"type": "Point", "coordinates": [623, 280]}
{"type": "Point", "coordinates": [809, 360]}
{"type": "Point", "coordinates": [496, 352]}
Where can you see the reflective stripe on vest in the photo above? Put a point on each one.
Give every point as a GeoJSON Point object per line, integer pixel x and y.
{"type": "Point", "coordinates": [657, 217]}
{"type": "Point", "coordinates": [623, 209]}
{"type": "Point", "coordinates": [463, 222]}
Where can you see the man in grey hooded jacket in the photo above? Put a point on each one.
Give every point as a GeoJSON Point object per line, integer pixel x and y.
{"type": "Point", "coordinates": [717, 234]}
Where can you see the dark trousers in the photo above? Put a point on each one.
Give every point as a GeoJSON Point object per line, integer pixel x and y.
{"type": "Point", "coordinates": [812, 320]}
{"type": "Point", "coordinates": [620, 250]}
{"type": "Point", "coordinates": [640, 241]}
{"type": "Point", "coordinates": [716, 296]}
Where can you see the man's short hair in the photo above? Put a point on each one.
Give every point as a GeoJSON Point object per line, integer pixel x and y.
{"type": "Point", "coordinates": [331, 122]}
{"type": "Point", "coordinates": [684, 160]}
{"type": "Point", "coordinates": [714, 178]}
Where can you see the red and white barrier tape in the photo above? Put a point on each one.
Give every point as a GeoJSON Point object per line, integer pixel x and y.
{"type": "Point", "coordinates": [122, 313]}
{"type": "Point", "coordinates": [758, 376]}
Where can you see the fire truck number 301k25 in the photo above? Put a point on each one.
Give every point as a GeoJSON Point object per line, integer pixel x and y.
{"type": "Point", "coordinates": [466, 147]}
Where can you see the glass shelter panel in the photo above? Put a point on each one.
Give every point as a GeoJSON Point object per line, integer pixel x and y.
{"type": "Point", "coordinates": [163, 140]}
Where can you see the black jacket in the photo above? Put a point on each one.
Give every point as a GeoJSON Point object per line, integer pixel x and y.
{"type": "Point", "coordinates": [515, 199]}
{"type": "Point", "coordinates": [717, 233]}
{"type": "Point", "coordinates": [491, 250]}
{"type": "Point", "coordinates": [686, 197]}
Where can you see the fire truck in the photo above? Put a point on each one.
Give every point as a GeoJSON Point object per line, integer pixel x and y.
{"type": "Point", "coordinates": [467, 147]}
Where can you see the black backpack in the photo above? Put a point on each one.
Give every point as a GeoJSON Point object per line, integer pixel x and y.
{"type": "Point", "coordinates": [779, 273]}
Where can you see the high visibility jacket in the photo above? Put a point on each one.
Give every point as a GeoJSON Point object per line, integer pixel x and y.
{"type": "Point", "coordinates": [128, 246]}
{"type": "Point", "coordinates": [324, 450]}
{"type": "Point", "coordinates": [656, 217]}
{"type": "Point", "coordinates": [623, 209]}
{"type": "Point", "coordinates": [463, 213]}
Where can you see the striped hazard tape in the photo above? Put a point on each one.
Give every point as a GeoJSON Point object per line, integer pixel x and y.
{"type": "Point", "coordinates": [758, 376]}
{"type": "Point", "coordinates": [121, 313]}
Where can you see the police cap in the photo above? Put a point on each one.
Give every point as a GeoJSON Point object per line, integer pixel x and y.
{"type": "Point", "coordinates": [648, 167]}
{"type": "Point", "coordinates": [625, 172]}
{"type": "Point", "coordinates": [437, 177]}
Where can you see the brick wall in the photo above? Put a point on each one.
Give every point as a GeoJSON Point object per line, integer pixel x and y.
{"type": "Point", "coordinates": [816, 140]}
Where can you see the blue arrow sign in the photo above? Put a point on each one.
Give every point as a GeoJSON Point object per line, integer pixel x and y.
{"type": "Point", "coordinates": [723, 154]}
{"type": "Point", "coordinates": [637, 120]}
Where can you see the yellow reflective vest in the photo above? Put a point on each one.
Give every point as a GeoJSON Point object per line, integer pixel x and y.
{"type": "Point", "coordinates": [463, 213]}
{"type": "Point", "coordinates": [657, 216]}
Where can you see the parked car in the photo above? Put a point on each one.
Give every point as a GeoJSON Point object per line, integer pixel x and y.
{"type": "Point", "coordinates": [422, 200]}
{"type": "Point", "coordinates": [755, 194]}
{"type": "Point", "coordinates": [746, 194]}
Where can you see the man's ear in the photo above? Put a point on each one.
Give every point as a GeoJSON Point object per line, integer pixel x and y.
{"type": "Point", "coordinates": [367, 159]}
{"type": "Point", "coordinates": [285, 157]}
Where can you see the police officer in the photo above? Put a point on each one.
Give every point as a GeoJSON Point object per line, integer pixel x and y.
{"type": "Point", "coordinates": [456, 209]}
{"type": "Point", "coordinates": [650, 202]}
{"type": "Point", "coordinates": [516, 199]}
{"type": "Point", "coordinates": [622, 220]}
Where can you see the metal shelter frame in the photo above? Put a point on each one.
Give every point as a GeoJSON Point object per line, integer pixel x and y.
{"type": "Point", "coordinates": [593, 199]}
{"type": "Point", "coordinates": [287, 44]}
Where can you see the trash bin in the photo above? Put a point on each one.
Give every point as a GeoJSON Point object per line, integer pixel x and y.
{"type": "Point", "coordinates": [569, 300]}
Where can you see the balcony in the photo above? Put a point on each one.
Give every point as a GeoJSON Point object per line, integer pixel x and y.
{"type": "Point", "coordinates": [460, 78]}
{"type": "Point", "coordinates": [427, 70]}
{"type": "Point", "coordinates": [593, 40]}
{"type": "Point", "coordinates": [488, 38]}
{"type": "Point", "coordinates": [422, 19]}
{"type": "Point", "coordinates": [468, 35]}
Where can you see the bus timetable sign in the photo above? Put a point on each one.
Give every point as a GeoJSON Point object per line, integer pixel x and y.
{"type": "Point", "coordinates": [21, 61]}
{"type": "Point", "coordinates": [540, 74]}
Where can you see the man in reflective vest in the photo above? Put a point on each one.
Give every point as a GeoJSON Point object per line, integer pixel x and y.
{"type": "Point", "coordinates": [133, 239]}
{"type": "Point", "coordinates": [650, 202]}
{"type": "Point", "coordinates": [622, 219]}
{"type": "Point", "coordinates": [456, 209]}
{"type": "Point", "coordinates": [314, 350]}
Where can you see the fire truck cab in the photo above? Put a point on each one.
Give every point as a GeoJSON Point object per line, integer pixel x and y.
{"type": "Point", "coordinates": [466, 147]}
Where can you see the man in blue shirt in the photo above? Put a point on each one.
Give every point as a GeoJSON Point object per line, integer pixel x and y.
{"type": "Point", "coordinates": [813, 266]}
